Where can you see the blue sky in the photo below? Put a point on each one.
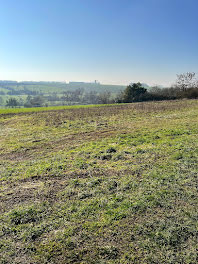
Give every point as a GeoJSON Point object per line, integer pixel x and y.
{"type": "Point", "coordinates": [113, 41]}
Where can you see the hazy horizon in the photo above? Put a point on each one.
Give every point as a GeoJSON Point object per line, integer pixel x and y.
{"type": "Point", "coordinates": [114, 42]}
{"type": "Point", "coordinates": [79, 81]}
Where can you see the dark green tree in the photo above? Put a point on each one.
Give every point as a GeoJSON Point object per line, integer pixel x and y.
{"type": "Point", "coordinates": [133, 93]}
{"type": "Point", "coordinates": [12, 102]}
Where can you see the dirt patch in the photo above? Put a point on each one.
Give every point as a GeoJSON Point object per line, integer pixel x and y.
{"type": "Point", "coordinates": [41, 149]}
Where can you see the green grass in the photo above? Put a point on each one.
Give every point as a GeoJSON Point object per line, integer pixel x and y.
{"type": "Point", "coordinates": [50, 108]}
{"type": "Point", "coordinates": [114, 184]}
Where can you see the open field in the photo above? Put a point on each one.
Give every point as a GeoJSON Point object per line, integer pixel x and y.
{"type": "Point", "coordinates": [50, 108]}
{"type": "Point", "coordinates": [100, 185]}
{"type": "Point", "coordinates": [52, 92]}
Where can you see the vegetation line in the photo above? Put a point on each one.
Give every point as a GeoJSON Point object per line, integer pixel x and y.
{"type": "Point", "coordinates": [51, 108]}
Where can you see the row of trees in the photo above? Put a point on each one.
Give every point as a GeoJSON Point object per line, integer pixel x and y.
{"type": "Point", "coordinates": [186, 86]}
{"type": "Point", "coordinates": [69, 98]}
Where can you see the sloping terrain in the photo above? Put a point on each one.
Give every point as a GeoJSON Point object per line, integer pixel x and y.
{"type": "Point", "coordinates": [114, 184]}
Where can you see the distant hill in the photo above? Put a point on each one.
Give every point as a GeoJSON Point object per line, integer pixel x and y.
{"type": "Point", "coordinates": [59, 93]}
{"type": "Point", "coordinates": [51, 87]}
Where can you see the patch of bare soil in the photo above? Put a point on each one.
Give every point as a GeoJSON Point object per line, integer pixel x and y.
{"type": "Point", "coordinates": [73, 140]}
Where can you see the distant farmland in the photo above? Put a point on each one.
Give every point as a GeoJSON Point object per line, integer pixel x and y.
{"type": "Point", "coordinates": [109, 184]}
{"type": "Point", "coordinates": [55, 93]}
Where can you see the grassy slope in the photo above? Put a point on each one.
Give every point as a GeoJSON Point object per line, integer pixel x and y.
{"type": "Point", "coordinates": [42, 109]}
{"type": "Point", "coordinates": [100, 185]}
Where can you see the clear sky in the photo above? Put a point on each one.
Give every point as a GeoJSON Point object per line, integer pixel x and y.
{"type": "Point", "coordinates": [113, 41]}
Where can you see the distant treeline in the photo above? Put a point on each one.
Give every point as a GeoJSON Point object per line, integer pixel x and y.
{"type": "Point", "coordinates": [137, 93]}
{"type": "Point", "coordinates": [25, 88]}
{"type": "Point", "coordinates": [77, 96]}
{"type": "Point", "coordinates": [186, 86]}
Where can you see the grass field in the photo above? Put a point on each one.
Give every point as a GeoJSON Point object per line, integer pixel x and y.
{"type": "Point", "coordinates": [50, 108]}
{"type": "Point", "coordinates": [99, 185]}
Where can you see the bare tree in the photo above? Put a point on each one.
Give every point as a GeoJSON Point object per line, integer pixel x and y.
{"type": "Point", "coordinates": [105, 97]}
{"type": "Point", "coordinates": [186, 80]}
